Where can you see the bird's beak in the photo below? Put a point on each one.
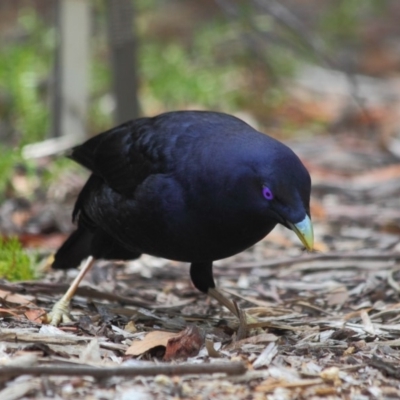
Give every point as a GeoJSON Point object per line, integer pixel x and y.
{"type": "Point", "coordinates": [304, 231]}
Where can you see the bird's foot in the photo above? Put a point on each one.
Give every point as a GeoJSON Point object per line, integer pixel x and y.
{"type": "Point", "coordinates": [59, 313]}
{"type": "Point", "coordinates": [246, 321]}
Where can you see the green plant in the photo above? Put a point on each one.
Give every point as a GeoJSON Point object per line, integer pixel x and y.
{"type": "Point", "coordinates": [174, 76]}
{"type": "Point", "coordinates": [24, 66]}
{"type": "Point", "coordinates": [8, 159]}
{"type": "Point", "coordinates": [15, 263]}
{"type": "Point", "coordinates": [342, 19]}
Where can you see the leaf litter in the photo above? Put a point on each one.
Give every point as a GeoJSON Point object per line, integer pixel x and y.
{"type": "Point", "coordinates": [328, 323]}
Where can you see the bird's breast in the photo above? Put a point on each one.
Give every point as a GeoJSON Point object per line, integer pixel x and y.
{"type": "Point", "coordinates": [163, 219]}
{"type": "Point", "coordinates": [188, 236]}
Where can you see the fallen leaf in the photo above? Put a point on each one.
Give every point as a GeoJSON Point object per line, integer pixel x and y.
{"type": "Point", "coordinates": [16, 298]}
{"type": "Point", "coordinates": [211, 351]}
{"type": "Point", "coordinates": [130, 327]}
{"type": "Point", "coordinates": [35, 315]}
{"type": "Point", "coordinates": [185, 344]}
{"type": "Point", "coordinates": [151, 340]}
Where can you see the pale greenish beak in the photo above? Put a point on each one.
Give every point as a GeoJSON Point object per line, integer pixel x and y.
{"type": "Point", "coordinates": [305, 232]}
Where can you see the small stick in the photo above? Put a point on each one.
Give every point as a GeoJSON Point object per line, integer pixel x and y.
{"type": "Point", "coordinates": [386, 256]}
{"type": "Point", "coordinates": [234, 368]}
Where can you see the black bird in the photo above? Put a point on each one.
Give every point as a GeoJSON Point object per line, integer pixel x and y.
{"type": "Point", "coordinates": [191, 186]}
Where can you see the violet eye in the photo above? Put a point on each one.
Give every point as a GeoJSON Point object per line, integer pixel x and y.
{"type": "Point", "coordinates": [267, 193]}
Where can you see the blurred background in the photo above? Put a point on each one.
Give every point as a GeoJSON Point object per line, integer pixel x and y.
{"type": "Point", "coordinates": [323, 76]}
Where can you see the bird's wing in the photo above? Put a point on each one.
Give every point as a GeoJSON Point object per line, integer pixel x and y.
{"type": "Point", "coordinates": [120, 156]}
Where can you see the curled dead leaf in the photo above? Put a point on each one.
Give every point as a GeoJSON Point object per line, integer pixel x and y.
{"type": "Point", "coordinates": [211, 350]}
{"type": "Point", "coordinates": [150, 341]}
{"type": "Point", "coordinates": [186, 344]}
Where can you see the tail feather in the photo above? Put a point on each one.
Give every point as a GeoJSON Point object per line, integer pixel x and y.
{"type": "Point", "coordinates": [84, 243]}
{"type": "Point", "coordinates": [75, 249]}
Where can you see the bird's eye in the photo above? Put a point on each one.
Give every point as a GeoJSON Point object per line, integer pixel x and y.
{"type": "Point", "coordinates": [267, 193]}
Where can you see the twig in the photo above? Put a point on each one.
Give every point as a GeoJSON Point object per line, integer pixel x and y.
{"type": "Point", "coordinates": [52, 288]}
{"type": "Point", "coordinates": [235, 368]}
{"type": "Point", "coordinates": [314, 257]}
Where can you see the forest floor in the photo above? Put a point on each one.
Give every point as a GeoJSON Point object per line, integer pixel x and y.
{"type": "Point", "coordinates": [329, 323]}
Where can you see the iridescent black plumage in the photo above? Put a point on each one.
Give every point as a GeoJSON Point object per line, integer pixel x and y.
{"type": "Point", "coordinates": [186, 186]}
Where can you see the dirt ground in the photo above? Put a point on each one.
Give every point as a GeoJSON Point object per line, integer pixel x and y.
{"type": "Point", "coordinates": [328, 321]}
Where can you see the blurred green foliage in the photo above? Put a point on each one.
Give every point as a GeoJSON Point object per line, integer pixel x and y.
{"type": "Point", "coordinates": [223, 63]}
{"type": "Point", "coordinates": [15, 263]}
{"type": "Point", "coordinates": [8, 159]}
{"type": "Point", "coordinates": [23, 66]}
{"type": "Point", "coordinates": [342, 19]}
{"type": "Point", "coordinates": [207, 73]}
{"type": "Point", "coordinates": [174, 77]}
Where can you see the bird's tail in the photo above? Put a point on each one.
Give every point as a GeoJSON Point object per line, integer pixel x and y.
{"type": "Point", "coordinates": [74, 250]}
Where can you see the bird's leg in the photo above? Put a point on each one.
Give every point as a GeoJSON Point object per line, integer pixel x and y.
{"type": "Point", "coordinates": [222, 299]}
{"type": "Point", "coordinates": [60, 310]}
{"type": "Point", "coordinates": [202, 278]}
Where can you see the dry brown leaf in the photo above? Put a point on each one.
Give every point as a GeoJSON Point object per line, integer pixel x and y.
{"type": "Point", "coordinates": [35, 315]}
{"type": "Point", "coordinates": [130, 327]}
{"type": "Point", "coordinates": [211, 350]}
{"type": "Point", "coordinates": [186, 344]}
{"type": "Point", "coordinates": [151, 340]}
{"type": "Point", "coordinates": [16, 298]}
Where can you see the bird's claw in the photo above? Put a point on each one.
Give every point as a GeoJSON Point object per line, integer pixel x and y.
{"type": "Point", "coordinates": [245, 320]}
{"type": "Point", "coordinates": [250, 319]}
{"type": "Point", "coordinates": [59, 313]}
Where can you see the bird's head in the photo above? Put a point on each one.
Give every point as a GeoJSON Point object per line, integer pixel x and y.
{"type": "Point", "coordinates": [290, 210]}
{"type": "Point", "coordinates": [278, 189]}
{"type": "Point", "coordinates": [259, 178]}
{"type": "Point", "coordinates": [285, 188]}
